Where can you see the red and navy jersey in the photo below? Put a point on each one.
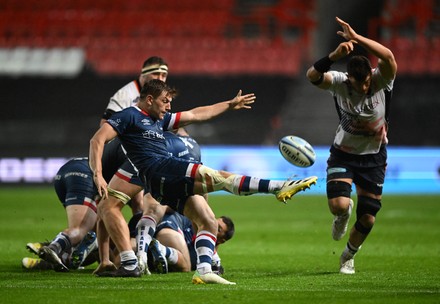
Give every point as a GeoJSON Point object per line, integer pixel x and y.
{"type": "Point", "coordinates": [183, 147]}
{"type": "Point", "coordinates": [142, 137]}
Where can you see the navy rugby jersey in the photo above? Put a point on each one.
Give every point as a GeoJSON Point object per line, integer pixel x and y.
{"type": "Point", "coordinates": [142, 137]}
{"type": "Point", "coordinates": [183, 147]}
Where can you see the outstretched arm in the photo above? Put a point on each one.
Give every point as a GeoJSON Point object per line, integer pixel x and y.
{"type": "Point", "coordinates": [387, 62]}
{"type": "Point", "coordinates": [204, 113]}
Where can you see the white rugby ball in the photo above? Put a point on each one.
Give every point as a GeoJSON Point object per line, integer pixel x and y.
{"type": "Point", "coordinates": [297, 151]}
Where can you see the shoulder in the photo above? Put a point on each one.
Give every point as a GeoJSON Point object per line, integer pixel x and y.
{"type": "Point", "coordinates": [77, 164]}
{"type": "Point", "coordinates": [130, 90]}
{"type": "Point", "coordinates": [380, 81]}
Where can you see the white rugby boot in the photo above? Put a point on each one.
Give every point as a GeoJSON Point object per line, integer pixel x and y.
{"type": "Point", "coordinates": [346, 263]}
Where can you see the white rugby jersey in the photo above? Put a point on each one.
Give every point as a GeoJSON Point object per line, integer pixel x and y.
{"type": "Point", "coordinates": [125, 97]}
{"type": "Point", "coordinates": [362, 125]}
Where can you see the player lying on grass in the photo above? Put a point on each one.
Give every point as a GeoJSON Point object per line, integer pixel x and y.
{"type": "Point", "coordinates": [174, 243]}
{"type": "Point", "coordinates": [172, 248]}
{"type": "Point", "coordinates": [181, 185]}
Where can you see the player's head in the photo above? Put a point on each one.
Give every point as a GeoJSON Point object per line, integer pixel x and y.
{"type": "Point", "coordinates": [156, 97]}
{"type": "Point", "coordinates": [153, 68]}
{"type": "Point", "coordinates": [226, 229]}
{"type": "Point", "coordinates": [359, 73]}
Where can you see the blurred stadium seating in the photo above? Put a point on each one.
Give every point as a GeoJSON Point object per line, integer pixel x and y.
{"type": "Point", "coordinates": [196, 37]}
{"type": "Point", "coordinates": [204, 37]}
{"type": "Point", "coordinates": [411, 29]}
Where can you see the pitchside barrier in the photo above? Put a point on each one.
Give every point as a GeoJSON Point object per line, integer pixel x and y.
{"type": "Point", "coordinates": [410, 170]}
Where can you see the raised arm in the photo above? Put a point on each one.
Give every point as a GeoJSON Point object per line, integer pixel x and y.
{"type": "Point", "coordinates": [387, 63]}
{"type": "Point", "coordinates": [102, 136]}
{"type": "Point", "coordinates": [317, 73]}
{"type": "Point", "coordinates": [204, 113]}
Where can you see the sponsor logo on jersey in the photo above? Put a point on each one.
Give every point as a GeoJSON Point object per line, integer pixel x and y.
{"type": "Point", "coordinates": [183, 153]}
{"type": "Point", "coordinates": [150, 134]}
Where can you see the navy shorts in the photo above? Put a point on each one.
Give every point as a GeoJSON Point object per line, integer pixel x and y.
{"type": "Point", "coordinates": [183, 225]}
{"type": "Point", "coordinates": [173, 182]}
{"type": "Point", "coordinates": [366, 171]}
{"type": "Point", "coordinates": [179, 223]}
{"type": "Point", "coordinates": [128, 173]}
{"type": "Point", "coordinates": [74, 184]}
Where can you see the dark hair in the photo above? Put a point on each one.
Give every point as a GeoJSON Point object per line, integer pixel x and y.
{"type": "Point", "coordinates": [231, 228]}
{"type": "Point", "coordinates": [154, 60]}
{"type": "Point", "coordinates": [155, 87]}
{"type": "Point", "coordinates": [359, 67]}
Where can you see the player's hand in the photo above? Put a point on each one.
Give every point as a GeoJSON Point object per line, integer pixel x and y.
{"type": "Point", "coordinates": [242, 101]}
{"type": "Point", "coordinates": [342, 50]}
{"type": "Point", "coordinates": [348, 33]}
{"type": "Point", "coordinates": [101, 185]}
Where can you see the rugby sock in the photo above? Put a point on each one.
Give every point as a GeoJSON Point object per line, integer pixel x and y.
{"type": "Point", "coordinates": [204, 245]}
{"type": "Point", "coordinates": [146, 228]}
{"type": "Point", "coordinates": [246, 185]}
{"type": "Point", "coordinates": [128, 259]}
{"type": "Point", "coordinates": [133, 223]}
{"type": "Point", "coordinates": [352, 249]}
{"type": "Point", "coordinates": [172, 255]}
{"type": "Point", "coordinates": [216, 261]}
{"type": "Point", "coordinates": [60, 243]}
{"type": "Point", "coordinates": [275, 186]}
{"type": "Point", "coordinates": [169, 252]}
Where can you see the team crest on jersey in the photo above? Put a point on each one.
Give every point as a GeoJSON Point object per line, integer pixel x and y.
{"type": "Point", "coordinates": [146, 122]}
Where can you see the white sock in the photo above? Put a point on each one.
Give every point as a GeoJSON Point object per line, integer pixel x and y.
{"type": "Point", "coordinates": [128, 259]}
{"type": "Point", "coordinates": [275, 185]}
{"type": "Point", "coordinates": [146, 228]}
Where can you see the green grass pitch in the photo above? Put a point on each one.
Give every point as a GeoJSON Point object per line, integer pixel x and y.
{"type": "Point", "coordinates": [280, 254]}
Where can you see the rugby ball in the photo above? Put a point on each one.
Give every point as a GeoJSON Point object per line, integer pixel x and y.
{"type": "Point", "coordinates": [297, 151]}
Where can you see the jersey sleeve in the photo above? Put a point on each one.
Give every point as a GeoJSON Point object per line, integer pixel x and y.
{"type": "Point", "coordinates": [171, 121]}
{"type": "Point", "coordinates": [338, 80]}
{"type": "Point", "coordinates": [380, 82]}
{"type": "Point", "coordinates": [120, 120]}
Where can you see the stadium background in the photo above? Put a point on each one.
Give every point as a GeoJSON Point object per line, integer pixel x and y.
{"type": "Point", "coordinates": [60, 61]}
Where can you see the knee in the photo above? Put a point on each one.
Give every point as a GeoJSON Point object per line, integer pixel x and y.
{"type": "Point", "coordinates": [156, 211]}
{"type": "Point", "coordinates": [107, 206]}
{"type": "Point", "coordinates": [102, 209]}
{"type": "Point", "coordinates": [366, 211]}
{"type": "Point", "coordinates": [211, 224]}
{"type": "Point", "coordinates": [337, 188]}
{"type": "Point", "coordinates": [338, 194]}
{"type": "Point", "coordinates": [367, 220]}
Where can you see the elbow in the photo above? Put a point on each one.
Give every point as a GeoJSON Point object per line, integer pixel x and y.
{"type": "Point", "coordinates": [310, 73]}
